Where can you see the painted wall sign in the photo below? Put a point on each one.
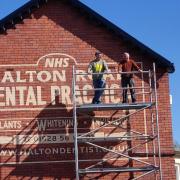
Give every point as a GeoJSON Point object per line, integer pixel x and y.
{"type": "Point", "coordinates": [39, 98]}
{"type": "Point", "coordinates": [36, 85]}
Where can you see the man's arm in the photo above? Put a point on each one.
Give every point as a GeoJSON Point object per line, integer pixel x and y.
{"type": "Point", "coordinates": [136, 66]}
{"type": "Point", "coordinates": [119, 67]}
{"type": "Point", "coordinates": [89, 68]}
{"type": "Point", "coordinates": [106, 69]}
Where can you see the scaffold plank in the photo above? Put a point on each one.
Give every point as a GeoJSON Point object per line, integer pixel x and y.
{"type": "Point", "coordinates": [119, 169]}
{"type": "Point", "coordinates": [114, 139]}
{"type": "Point", "coordinates": [118, 106]}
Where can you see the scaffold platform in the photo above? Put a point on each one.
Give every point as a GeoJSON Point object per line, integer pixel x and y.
{"type": "Point", "coordinates": [122, 169]}
{"type": "Point", "coordinates": [118, 106]}
{"type": "Point", "coordinates": [114, 139]}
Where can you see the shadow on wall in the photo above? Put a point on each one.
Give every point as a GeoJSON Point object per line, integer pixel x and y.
{"type": "Point", "coordinates": [45, 146]}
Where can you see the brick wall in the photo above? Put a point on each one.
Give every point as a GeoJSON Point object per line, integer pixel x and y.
{"type": "Point", "coordinates": [30, 107]}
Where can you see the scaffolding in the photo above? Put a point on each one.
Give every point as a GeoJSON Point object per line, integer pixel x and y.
{"type": "Point", "coordinates": [139, 164]}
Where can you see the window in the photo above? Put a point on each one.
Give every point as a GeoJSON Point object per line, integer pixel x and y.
{"type": "Point", "coordinates": [177, 166]}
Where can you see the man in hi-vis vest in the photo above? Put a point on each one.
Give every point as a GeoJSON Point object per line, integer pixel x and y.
{"type": "Point", "coordinates": [98, 65]}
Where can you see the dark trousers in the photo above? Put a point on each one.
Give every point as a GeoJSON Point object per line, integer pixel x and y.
{"type": "Point", "coordinates": [125, 82]}
{"type": "Point", "coordinates": [98, 83]}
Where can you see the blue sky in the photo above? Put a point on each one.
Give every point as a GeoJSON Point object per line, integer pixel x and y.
{"type": "Point", "coordinates": [154, 23]}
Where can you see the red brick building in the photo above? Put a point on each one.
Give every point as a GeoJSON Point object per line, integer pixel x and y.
{"type": "Point", "coordinates": [40, 43]}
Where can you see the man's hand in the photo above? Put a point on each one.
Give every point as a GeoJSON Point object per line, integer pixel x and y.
{"type": "Point", "coordinates": [108, 71]}
{"type": "Point", "coordinates": [89, 71]}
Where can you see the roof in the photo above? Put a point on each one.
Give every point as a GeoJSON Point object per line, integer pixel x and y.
{"type": "Point", "coordinates": [27, 9]}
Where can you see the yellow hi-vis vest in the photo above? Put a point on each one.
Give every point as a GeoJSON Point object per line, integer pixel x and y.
{"type": "Point", "coordinates": [98, 67]}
